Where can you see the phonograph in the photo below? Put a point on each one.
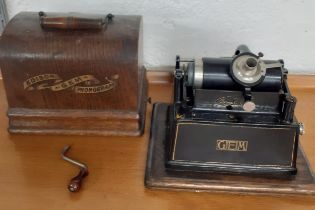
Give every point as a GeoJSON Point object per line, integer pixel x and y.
{"type": "Point", "coordinates": [231, 127]}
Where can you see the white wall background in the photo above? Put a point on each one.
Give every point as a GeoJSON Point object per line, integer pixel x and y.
{"type": "Point", "coordinates": [195, 28]}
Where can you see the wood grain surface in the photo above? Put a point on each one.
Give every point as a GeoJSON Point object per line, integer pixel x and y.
{"type": "Point", "coordinates": [28, 51]}
{"type": "Point", "coordinates": [56, 65]}
{"type": "Point", "coordinates": [33, 176]}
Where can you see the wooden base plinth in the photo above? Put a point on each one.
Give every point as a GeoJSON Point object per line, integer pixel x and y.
{"type": "Point", "coordinates": [158, 177]}
{"type": "Point", "coordinates": [73, 122]}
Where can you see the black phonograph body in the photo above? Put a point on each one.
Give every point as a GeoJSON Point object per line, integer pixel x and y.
{"type": "Point", "coordinates": [233, 114]}
{"type": "Point", "coordinates": [231, 127]}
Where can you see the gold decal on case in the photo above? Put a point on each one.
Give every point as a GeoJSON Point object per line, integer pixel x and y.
{"type": "Point", "coordinates": [232, 145]}
{"type": "Point", "coordinates": [88, 83]}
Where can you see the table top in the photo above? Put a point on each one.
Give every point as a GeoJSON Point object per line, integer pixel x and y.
{"type": "Point", "coordinates": [33, 175]}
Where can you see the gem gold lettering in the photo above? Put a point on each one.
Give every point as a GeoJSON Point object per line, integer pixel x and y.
{"type": "Point", "coordinates": [232, 145]}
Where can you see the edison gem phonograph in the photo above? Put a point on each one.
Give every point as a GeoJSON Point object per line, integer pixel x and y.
{"type": "Point", "coordinates": [233, 114]}
{"type": "Point", "coordinates": [231, 127]}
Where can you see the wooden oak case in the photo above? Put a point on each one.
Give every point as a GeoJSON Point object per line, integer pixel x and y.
{"type": "Point", "coordinates": [74, 74]}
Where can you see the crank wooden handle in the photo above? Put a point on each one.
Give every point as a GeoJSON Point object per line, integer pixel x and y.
{"type": "Point", "coordinates": [76, 182]}
{"type": "Point", "coordinates": [72, 22]}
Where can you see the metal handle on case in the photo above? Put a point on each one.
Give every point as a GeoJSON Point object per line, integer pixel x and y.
{"type": "Point", "coordinates": [72, 22]}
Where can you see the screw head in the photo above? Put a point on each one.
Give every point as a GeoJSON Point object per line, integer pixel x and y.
{"type": "Point", "coordinates": [249, 106]}
{"type": "Point", "coordinates": [74, 187]}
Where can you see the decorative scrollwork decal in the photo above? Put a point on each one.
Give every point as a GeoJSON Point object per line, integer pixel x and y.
{"type": "Point", "coordinates": [84, 84]}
